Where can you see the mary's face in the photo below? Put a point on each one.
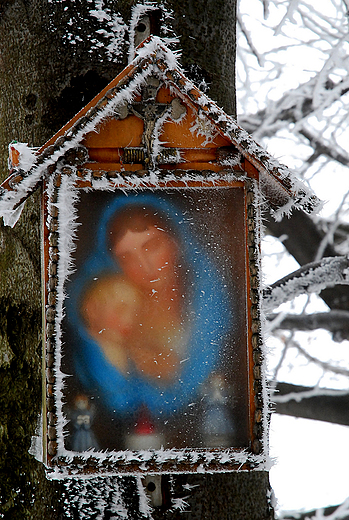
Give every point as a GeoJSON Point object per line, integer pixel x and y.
{"type": "Point", "coordinates": [147, 257]}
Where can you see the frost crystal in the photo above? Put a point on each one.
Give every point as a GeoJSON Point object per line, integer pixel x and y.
{"type": "Point", "coordinates": [180, 503]}
{"type": "Point", "coordinates": [112, 28]}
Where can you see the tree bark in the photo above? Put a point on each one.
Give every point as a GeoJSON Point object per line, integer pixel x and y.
{"type": "Point", "coordinates": [55, 56]}
{"type": "Point", "coordinates": [207, 32]}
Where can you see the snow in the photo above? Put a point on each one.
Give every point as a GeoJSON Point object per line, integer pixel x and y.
{"type": "Point", "coordinates": [309, 279]}
{"type": "Point", "coordinates": [202, 126]}
{"type": "Point", "coordinates": [157, 145]}
{"type": "Point", "coordinates": [180, 504]}
{"type": "Point", "coordinates": [144, 501]}
{"type": "Point", "coordinates": [116, 28]}
{"type": "Point", "coordinates": [112, 29]}
{"type": "Point", "coordinates": [27, 155]}
{"type": "Point", "coordinates": [11, 216]}
{"type": "Point", "coordinates": [104, 494]}
{"type": "Point", "coordinates": [66, 203]}
{"type": "Point", "coordinates": [318, 454]}
{"type": "Point", "coordinates": [298, 396]}
{"type": "Point", "coordinates": [138, 11]}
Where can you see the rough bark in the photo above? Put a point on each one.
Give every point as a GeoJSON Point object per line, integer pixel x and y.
{"type": "Point", "coordinates": [44, 80]}
{"type": "Point", "coordinates": [207, 37]}
{"type": "Point", "coordinates": [42, 83]}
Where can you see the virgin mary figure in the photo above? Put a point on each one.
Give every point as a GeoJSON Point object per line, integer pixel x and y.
{"type": "Point", "coordinates": [150, 309]}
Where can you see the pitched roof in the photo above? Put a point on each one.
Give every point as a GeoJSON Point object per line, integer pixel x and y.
{"type": "Point", "coordinates": [154, 60]}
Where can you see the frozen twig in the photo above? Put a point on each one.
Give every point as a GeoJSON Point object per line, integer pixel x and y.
{"type": "Point", "coordinates": [247, 35]}
{"type": "Point", "coordinates": [322, 147]}
{"type": "Point", "coordinates": [323, 364]}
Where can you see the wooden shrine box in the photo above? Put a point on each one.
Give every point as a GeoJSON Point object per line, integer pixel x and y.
{"type": "Point", "coordinates": [151, 227]}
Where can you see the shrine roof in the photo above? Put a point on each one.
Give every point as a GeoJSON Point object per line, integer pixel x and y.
{"type": "Point", "coordinates": [279, 185]}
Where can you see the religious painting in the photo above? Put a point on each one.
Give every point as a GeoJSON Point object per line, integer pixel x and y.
{"type": "Point", "coordinates": [155, 333]}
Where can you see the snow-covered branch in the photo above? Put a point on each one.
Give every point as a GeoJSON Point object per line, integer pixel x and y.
{"type": "Point", "coordinates": [294, 106]}
{"type": "Point", "coordinates": [310, 278]}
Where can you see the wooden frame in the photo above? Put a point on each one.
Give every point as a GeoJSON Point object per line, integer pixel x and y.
{"type": "Point", "coordinates": [247, 453]}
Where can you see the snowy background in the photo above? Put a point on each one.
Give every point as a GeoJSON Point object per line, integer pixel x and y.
{"type": "Point", "coordinates": [289, 51]}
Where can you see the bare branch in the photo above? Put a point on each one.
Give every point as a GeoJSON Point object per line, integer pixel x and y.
{"type": "Point", "coordinates": [329, 236]}
{"type": "Point", "coordinates": [341, 232]}
{"type": "Point", "coordinates": [323, 364]}
{"type": "Point", "coordinates": [288, 16]}
{"type": "Point", "coordinates": [340, 512]}
{"type": "Point", "coordinates": [302, 242]}
{"type": "Point", "coordinates": [336, 321]}
{"type": "Point", "coordinates": [265, 9]}
{"type": "Point", "coordinates": [310, 278]}
{"type": "Point", "coordinates": [312, 403]}
{"type": "Point", "coordinates": [247, 35]}
{"type": "Point", "coordinates": [322, 147]}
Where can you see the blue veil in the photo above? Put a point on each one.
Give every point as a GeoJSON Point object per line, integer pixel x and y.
{"type": "Point", "coordinates": [208, 314]}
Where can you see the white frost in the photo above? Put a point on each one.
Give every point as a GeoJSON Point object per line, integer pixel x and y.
{"type": "Point", "coordinates": [180, 503]}
{"type": "Point", "coordinates": [36, 445]}
{"type": "Point", "coordinates": [328, 272]}
{"type": "Point", "coordinates": [144, 501]}
{"type": "Point", "coordinates": [27, 155]}
{"type": "Point", "coordinates": [113, 28]}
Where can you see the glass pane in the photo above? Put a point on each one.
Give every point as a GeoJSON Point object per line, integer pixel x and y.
{"type": "Point", "coordinates": [155, 335]}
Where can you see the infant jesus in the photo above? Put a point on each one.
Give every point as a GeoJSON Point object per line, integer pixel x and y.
{"type": "Point", "coordinates": [110, 308]}
{"type": "Point", "coordinates": [116, 315]}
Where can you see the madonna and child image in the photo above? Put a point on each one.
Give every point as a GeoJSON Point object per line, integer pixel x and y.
{"type": "Point", "coordinates": [150, 321]}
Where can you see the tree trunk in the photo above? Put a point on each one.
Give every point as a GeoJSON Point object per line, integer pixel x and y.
{"type": "Point", "coordinates": [55, 56]}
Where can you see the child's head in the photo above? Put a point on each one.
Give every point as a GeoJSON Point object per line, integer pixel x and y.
{"type": "Point", "coordinates": [110, 305]}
